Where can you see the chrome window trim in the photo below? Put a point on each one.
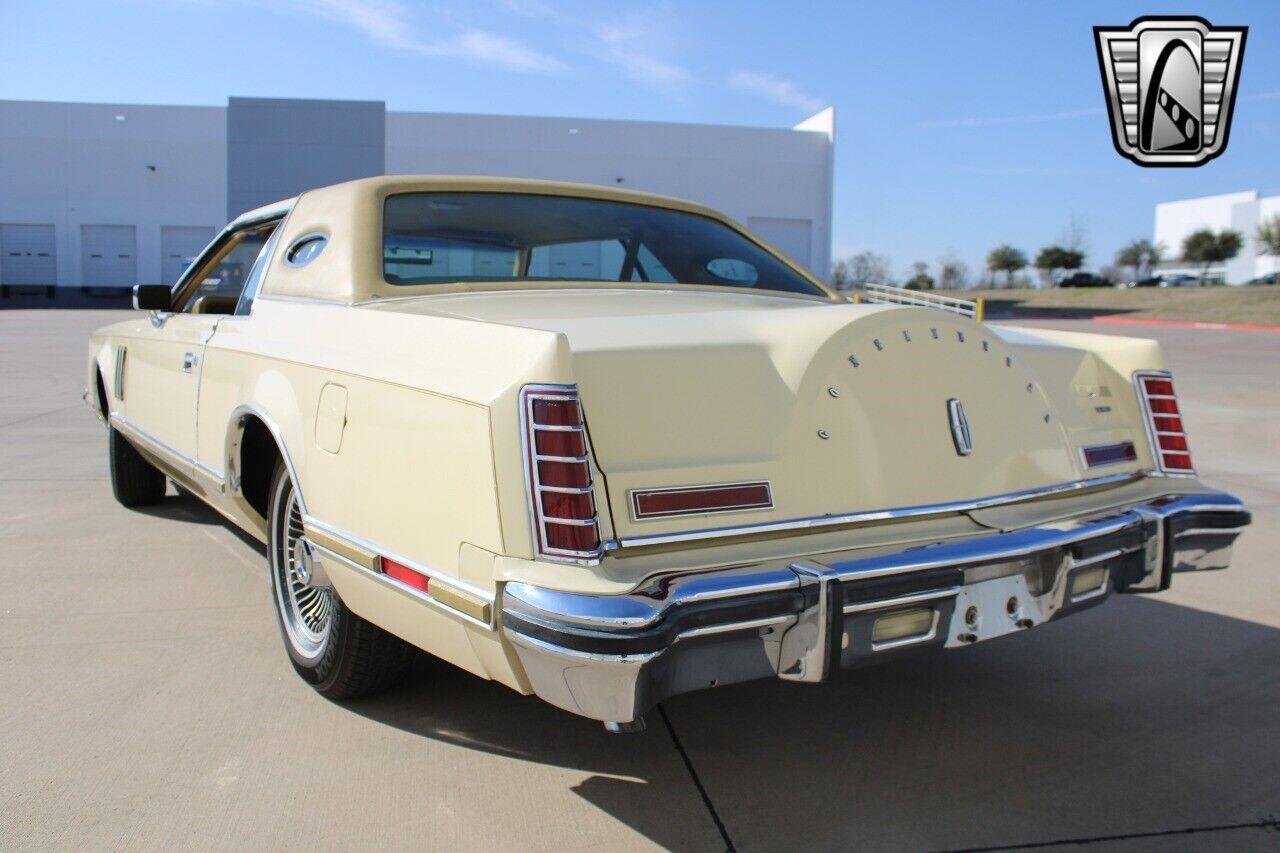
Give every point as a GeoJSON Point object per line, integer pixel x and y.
{"type": "Point", "coordinates": [894, 514]}
{"type": "Point", "coordinates": [257, 274]}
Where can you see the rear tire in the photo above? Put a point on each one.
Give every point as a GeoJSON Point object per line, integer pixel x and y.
{"type": "Point", "coordinates": [134, 480]}
{"type": "Point", "coordinates": [335, 651]}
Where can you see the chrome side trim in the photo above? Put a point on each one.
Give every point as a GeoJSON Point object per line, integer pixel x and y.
{"type": "Point", "coordinates": [436, 576]}
{"type": "Point", "coordinates": [306, 300]}
{"type": "Point", "coordinates": [898, 513]}
{"type": "Point", "coordinates": [156, 445]}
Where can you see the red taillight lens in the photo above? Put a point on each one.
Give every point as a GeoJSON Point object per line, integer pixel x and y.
{"type": "Point", "coordinates": [1164, 421]}
{"type": "Point", "coordinates": [553, 443]}
{"type": "Point", "coordinates": [564, 474]}
{"type": "Point", "coordinates": [557, 413]}
{"type": "Point", "coordinates": [564, 512]}
{"type": "Point", "coordinates": [567, 505]}
{"type": "Point", "coordinates": [404, 574]}
{"type": "Point", "coordinates": [573, 537]}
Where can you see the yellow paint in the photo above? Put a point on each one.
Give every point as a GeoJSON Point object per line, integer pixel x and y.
{"type": "Point", "coordinates": [680, 385]}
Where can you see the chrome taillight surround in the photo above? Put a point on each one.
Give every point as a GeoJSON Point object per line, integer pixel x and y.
{"type": "Point", "coordinates": [575, 481]}
{"type": "Point", "coordinates": [1162, 418]}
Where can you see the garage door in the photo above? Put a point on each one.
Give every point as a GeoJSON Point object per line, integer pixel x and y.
{"type": "Point", "coordinates": [179, 245]}
{"type": "Point", "coordinates": [108, 256]}
{"type": "Point", "coordinates": [27, 256]}
{"type": "Point", "coordinates": [792, 236]}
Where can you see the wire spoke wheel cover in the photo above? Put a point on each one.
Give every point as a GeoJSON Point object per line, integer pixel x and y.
{"type": "Point", "coordinates": [306, 611]}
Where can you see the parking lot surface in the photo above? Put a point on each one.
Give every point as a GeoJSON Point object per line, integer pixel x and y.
{"type": "Point", "coordinates": [146, 702]}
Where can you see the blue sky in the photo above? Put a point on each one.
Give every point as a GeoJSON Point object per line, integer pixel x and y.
{"type": "Point", "coordinates": [959, 125]}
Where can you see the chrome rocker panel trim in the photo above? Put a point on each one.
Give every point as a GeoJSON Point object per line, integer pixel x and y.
{"type": "Point", "coordinates": [613, 657]}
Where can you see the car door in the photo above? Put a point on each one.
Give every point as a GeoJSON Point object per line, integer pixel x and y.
{"type": "Point", "coordinates": [164, 361]}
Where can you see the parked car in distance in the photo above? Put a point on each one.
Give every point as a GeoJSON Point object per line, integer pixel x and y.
{"type": "Point", "coordinates": [1179, 280]}
{"type": "Point", "coordinates": [1269, 278]}
{"type": "Point", "coordinates": [608, 447]}
{"type": "Point", "coordinates": [1085, 279]}
{"type": "Point", "coordinates": [1149, 281]}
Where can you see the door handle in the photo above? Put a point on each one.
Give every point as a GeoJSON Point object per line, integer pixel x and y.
{"type": "Point", "coordinates": [189, 361]}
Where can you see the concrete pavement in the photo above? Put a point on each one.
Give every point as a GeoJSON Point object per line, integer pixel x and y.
{"type": "Point", "coordinates": [145, 701]}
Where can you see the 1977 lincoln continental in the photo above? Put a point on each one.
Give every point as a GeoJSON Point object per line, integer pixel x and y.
{"type": "Point", "coordinates": [608, 447]}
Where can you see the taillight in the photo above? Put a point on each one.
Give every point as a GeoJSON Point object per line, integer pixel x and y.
{"type": "Point", "coordinates": [1164, 423]}
{"type": "Point", "coordinates": [561, 501]}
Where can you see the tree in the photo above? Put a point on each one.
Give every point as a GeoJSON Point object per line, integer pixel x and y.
{"type": "Point", "coordinates": [921, 280]}
{"type": "Point", "coordinates": [1206, 248]}
{"type": "Point", "coordinates": [1008, 260]}
{"type": "Point", "coordinates": [1268, 236]}
{"type": "Point", "coordinates": [1054, 258]}
{"type": "Point", "coordinates": [841, 275]}
{"type": "Point", "coordinates": [1140, 255]}
{"type": "Point", "coordinates": [952, 273]}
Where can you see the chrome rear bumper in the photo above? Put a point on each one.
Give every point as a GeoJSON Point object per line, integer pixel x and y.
{"type": "Point", "coordinates": [613, 657]}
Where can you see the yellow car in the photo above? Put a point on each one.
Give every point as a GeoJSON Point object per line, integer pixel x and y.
{"type": "Point", "coordinates": [608, 447]}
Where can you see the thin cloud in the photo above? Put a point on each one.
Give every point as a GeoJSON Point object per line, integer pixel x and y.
{"type": "Point", "coordinates": [631, 46]}
{"type": "Point", "coordinates": [1067, 115]}
{"type": "Point", "coordinates": [775, 89]}
{"type": "Point", "coordinates": [387, 22]}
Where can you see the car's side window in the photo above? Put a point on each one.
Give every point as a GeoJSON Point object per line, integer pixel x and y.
{"type": "Point", "coordinates": [216, 287]}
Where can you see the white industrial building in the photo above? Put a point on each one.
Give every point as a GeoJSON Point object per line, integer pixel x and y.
{"type": "Point", "coordinates": [97, 197]}
{"type": "Point", "coordinates": [1242, 211]}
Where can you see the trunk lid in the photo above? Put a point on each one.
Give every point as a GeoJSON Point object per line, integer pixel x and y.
{"type": "Point", "coordinates": [839, 408]}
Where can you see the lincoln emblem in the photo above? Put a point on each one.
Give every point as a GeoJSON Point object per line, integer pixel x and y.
{"type": "Point", "coordinates": [959, 427]}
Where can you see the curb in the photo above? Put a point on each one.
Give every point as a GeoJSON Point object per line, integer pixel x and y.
{"type": "Point", "coordinates": [1186, 324]}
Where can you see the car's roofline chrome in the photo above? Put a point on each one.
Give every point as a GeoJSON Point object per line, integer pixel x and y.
{"type": "Point", "coordinates": [894, 514]}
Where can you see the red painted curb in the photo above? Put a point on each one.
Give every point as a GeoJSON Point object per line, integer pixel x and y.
{"type": "Point", "coordinates": [1186, 324]}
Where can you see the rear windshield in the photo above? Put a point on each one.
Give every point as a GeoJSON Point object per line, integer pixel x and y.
{"type": "Point", "coordinates": [444, 238]}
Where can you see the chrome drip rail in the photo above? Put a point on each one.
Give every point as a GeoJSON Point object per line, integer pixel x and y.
{"type": "Point", "coordinates": [888, 295]}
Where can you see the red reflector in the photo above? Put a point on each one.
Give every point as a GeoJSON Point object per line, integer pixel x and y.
{"type": "Point", "coordinates": [573, 537]}
{"type": "Point", "coordinates": [1109, 454]}
{"type": "Point", "coordinates": [404, 574]}
{"type": "Point", "coordinates": [1174, 442]}
{"type": "Point", "coordinates": [1162, 387]}
{"type": "Point", "coordinates": [699, 499]}
{"type": "Point", "coordinates": [564, 505]}
{"type": "Point", "coordinates": [1163, 407]}
{"type": "Point", "coordinates": [557, 443]}
{"type": "Point", "coordinates": [1181, 461]}
{"type": "Point", "coordinates": [557, 413]}
{"type": "Point", "coordinates": [574, 474]}
{"type": "Point", "coordinates": [1168, 424]}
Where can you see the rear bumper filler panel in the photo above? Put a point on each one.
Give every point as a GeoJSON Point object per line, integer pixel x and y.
{"type": "Point", "coordinates": [612, 657]}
